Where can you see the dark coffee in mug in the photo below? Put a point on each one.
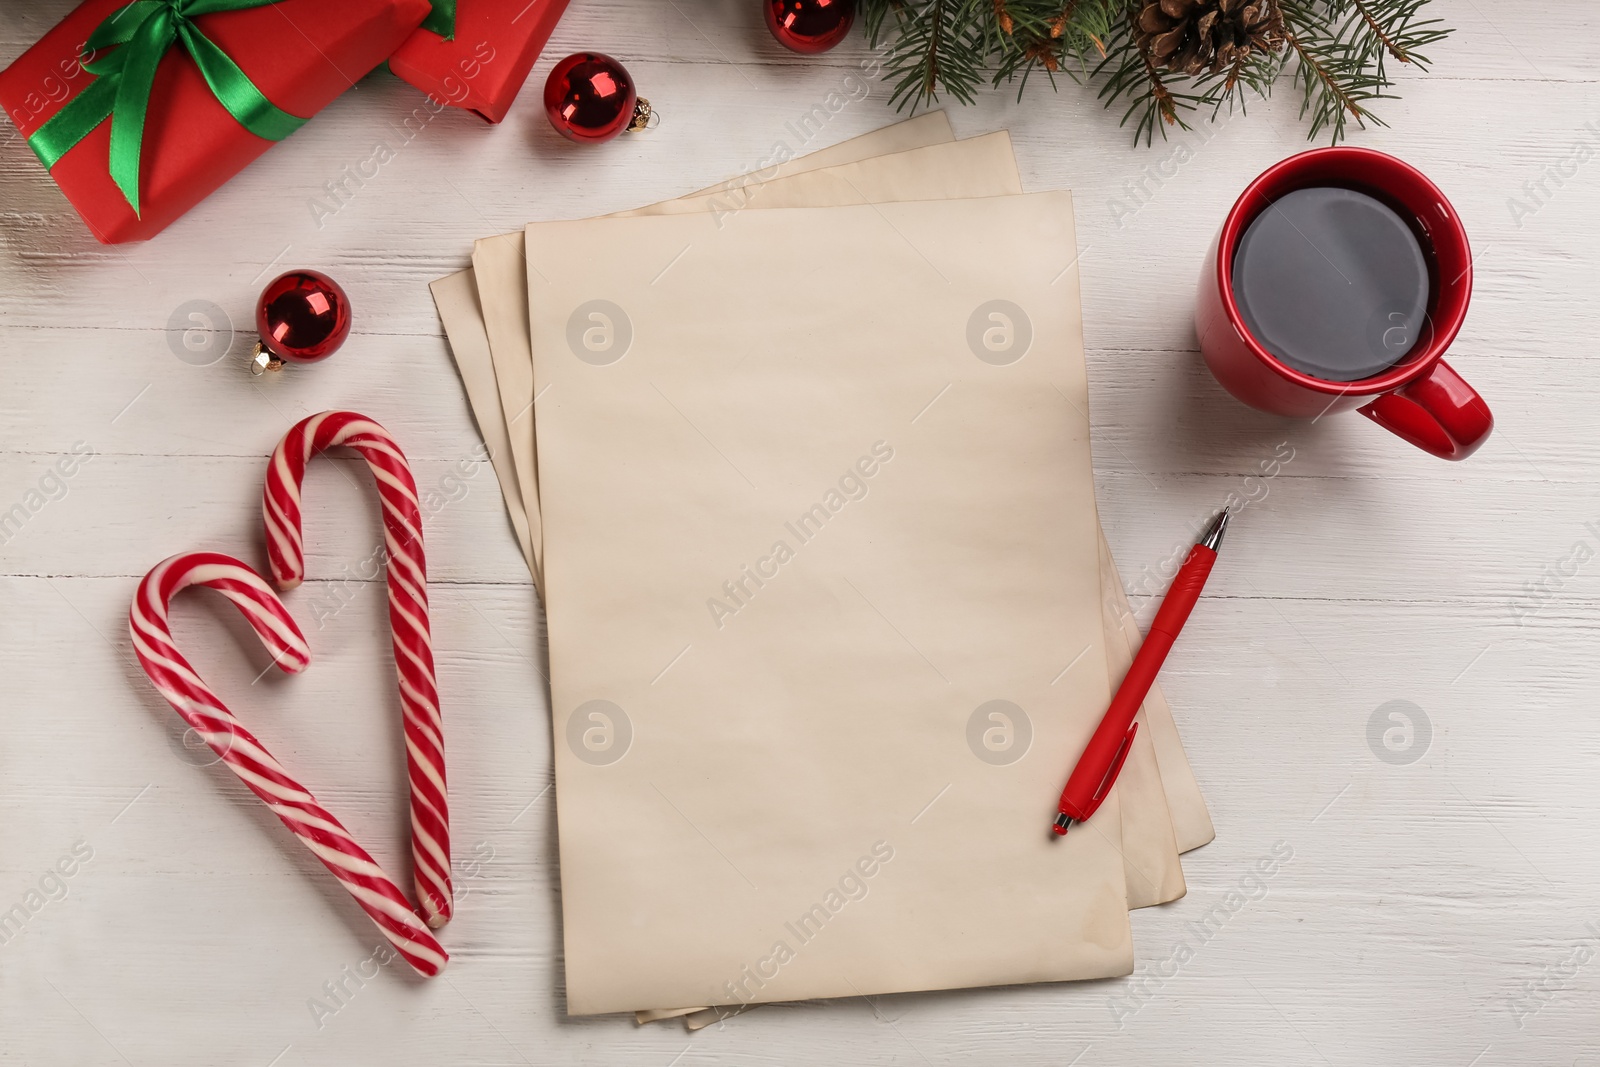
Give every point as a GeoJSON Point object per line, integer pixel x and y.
{"type": "Point", "coordinates": [1332, 282]}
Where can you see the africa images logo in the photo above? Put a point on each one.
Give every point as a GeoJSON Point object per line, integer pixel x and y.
{"type": "Point", "coordinates": [599, 332]}
{"type": "Point", "coordinates": [999, 732]}
{"type": "Point", "coordinates": [1399, 732]}
{"type": "Point", "coordinates": [599, 732]}
{"type": "Point", "coordinates": [999, 332]}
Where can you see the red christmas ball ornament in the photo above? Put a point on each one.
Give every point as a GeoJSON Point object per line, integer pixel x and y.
{"type": "Point", "coordinates": [303, 316]}
{"type": "Point", "coordinates": [590, 98]}
{"type": "Point", "coordinates": [809, 26]}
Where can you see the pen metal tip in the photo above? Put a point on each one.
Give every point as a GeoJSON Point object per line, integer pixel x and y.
{"type": "Point", "coordinates": [1063, 821]}
{"type": "Point", "coordinates": [1212, 538]}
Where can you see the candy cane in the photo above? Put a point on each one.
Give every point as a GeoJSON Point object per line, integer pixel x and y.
{"type": "Point", "coordinates": [290, 801]}
{"type": "Point", "coordinates": [408, 617]}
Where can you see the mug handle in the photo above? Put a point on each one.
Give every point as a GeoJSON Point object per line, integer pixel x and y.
{"type": "Point", "coordinates": [1439, 413]}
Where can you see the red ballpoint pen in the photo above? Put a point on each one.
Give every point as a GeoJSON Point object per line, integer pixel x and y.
{"type": "Point", "coordinates": [1102, 760]}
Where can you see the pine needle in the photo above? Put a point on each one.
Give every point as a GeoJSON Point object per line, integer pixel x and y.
{"type": "Point", "coordinates": [1336, 53]}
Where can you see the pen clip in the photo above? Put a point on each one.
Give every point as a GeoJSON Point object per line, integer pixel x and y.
{"type": "Point", "coordinates": [1110, 779]}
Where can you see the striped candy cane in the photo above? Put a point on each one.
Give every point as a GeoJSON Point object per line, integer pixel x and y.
{"type": "Point", "coordinates": [408, 618]}
{"type": "Point", "coordinates": [290, 801]}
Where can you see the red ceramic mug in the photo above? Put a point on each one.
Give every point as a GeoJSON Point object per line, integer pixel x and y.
{"type": "Point", "coordinates": [1421, 398]}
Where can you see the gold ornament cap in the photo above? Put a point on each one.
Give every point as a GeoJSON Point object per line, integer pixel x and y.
{"type": "Point", "coordinates": [262, 361]}
{"type": "Point", "coordinates": [645, 117]}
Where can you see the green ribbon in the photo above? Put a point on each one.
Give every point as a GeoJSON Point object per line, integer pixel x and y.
{"type": "Point", "coordinates": [141, 32]}
{"type": "Point", "coordinates": [442, 19]}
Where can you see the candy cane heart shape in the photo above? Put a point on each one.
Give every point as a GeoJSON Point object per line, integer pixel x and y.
{"type": "Point", "coordinates": [245, 756]}
{"type": "Point", "coordinates": [408, 617]}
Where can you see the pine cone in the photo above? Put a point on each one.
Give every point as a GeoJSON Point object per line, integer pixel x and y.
{"type": "Point", "coordinates": [1207, 36]}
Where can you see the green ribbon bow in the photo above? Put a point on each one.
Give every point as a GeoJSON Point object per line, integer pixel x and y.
{"type": "Point", "coordinates": [442, 19]}
{"type": "Point", "coordinates": [141, 32]}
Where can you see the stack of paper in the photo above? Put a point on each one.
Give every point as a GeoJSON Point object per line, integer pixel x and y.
{"type": "Point", "coordinates": [801, 468]}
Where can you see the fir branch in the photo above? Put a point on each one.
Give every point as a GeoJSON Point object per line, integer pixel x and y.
{"type": "Point", "coordinates": [1137, 77]}
{"type": "Point", "coordinates": [1057, 35]}
{"type": "Point", "coordinates": [1256, 73]}
{"type": "Point", "coordinates": [1336, 52]}
{"type": "Point", "coordinates": [940, 45]}
{"type": "Point", "coordinates": [1389, 44]}
{"type": "Point", "coordinates": [1393, 31]}
{"type": "Point", "coordinates": [1335, 82]}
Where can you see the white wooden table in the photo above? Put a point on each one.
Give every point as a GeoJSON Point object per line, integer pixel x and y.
{"type": "Point", "coordinates": [1439, 907]}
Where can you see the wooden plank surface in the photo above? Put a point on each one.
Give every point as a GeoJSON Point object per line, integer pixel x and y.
{"type": "Point", "coordinates": [1439, 911]}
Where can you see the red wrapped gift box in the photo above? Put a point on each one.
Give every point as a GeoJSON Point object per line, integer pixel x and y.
{"type": "Point", "coordinates": [483, 67]}
{"type": "Point", "coordinates": [300, 54]}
